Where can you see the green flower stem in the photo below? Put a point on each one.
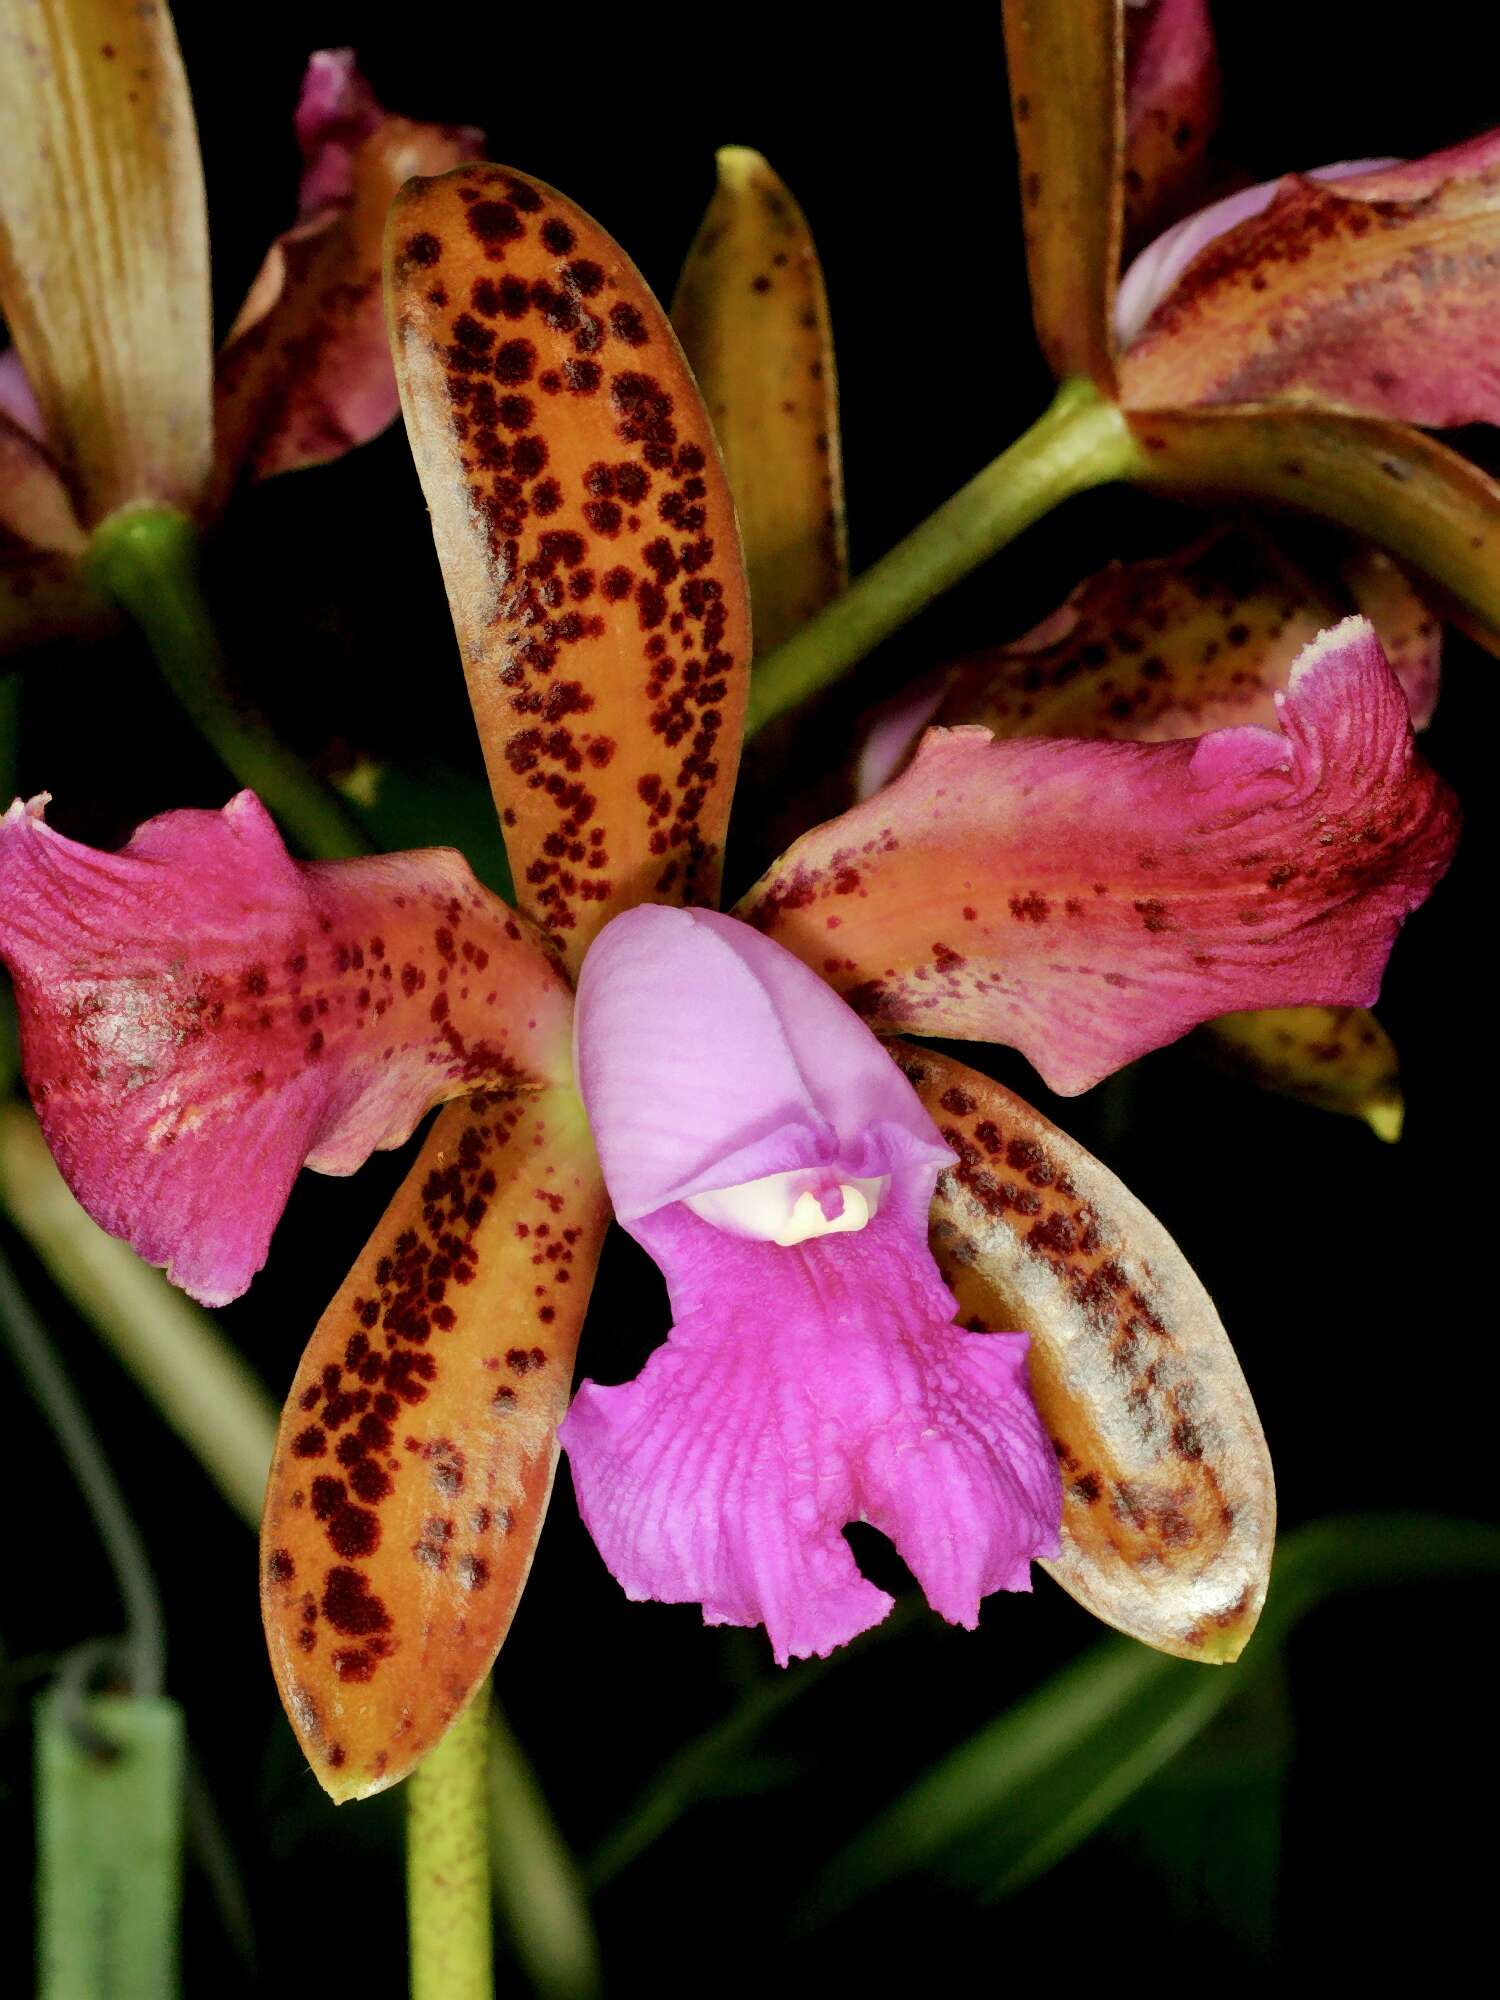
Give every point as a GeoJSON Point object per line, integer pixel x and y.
{"type": "Point", "coordinates": [173, 1349]}
{"type": "Point", "coordinates": [146, 560]}
{"type": "Point", "coordinates": [448, 1863]}
{"type": "Point", "coordinates": [55, 1396]}
{"type": "Point", "coordinates": [1079, 442]}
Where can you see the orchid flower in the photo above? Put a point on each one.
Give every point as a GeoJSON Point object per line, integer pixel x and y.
{"type": "Point", "coordinates": [1279, 347]}
{"type": "Point", "coordinates": [201, 1014]}
{"type": "Point", "coordinates": [110, 397]}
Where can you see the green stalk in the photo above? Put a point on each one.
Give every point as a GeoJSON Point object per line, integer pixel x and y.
{"type": "Point", "coordinates": [1080, 441]}
{"type": "Point", "coordinates": [448, 1863]}
{"type": "Point", "coordinates": [146, 560]}
{"type": "Point", "coordinates": [78, 1441]}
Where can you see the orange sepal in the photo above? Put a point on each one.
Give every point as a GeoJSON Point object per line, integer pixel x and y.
{"type": "Point", "coordinates": [418, 1444]}
{"type": "Point", "coordinates": [751, 311]}
{"type": "Point", "coordinates": [587, 538]}
{"type": "Point", "coordinates": [1067, 96]}
{"type": "Point", "coordinates": [1169, 1506]}
{"type": "Point", "coordinates": [104, 247]}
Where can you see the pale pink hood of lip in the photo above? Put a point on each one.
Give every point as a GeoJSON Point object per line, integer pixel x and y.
{"type": "Point", "coordinates": [800, 1388]}
{"type": "Point", "coordinates": [1154, 273]}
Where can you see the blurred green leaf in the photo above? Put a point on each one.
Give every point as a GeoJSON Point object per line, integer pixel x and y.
{"type": "Point", "coordinates": [109, 1809]}
{"type": "Point", "coordinates": [537, 1884]}
{"type": "Point", "coordinates": [1207, 1827]}
{"type": "Point", "coordinates": [431, 805]}
{"type": "Point", "coordinates": [1017, 1797]}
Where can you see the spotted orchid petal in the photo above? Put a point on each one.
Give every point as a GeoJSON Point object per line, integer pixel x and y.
{"type": "Point", "coordinates": [1169, 1507]}
{"type": "Point", "coordinates": [1338, 1058]}
{"type": "Point", "coordinates": [1374, 291]}
{"type": "Point", "coordinates": [201, 1016]}
{"type": "Point", "coordinates": [417, 1448]}
{"type": "Point", "coordinates": [1156, 272]}
{"type": "Point", "coordinates": [1171, 108]}
{"type": "Point", "coordinates": [752, 314]}
{"type": "Point", "coordinates": [1171, 648]}
{"type": "Point", "coordinates": [808, 1381]}
{"type": "Point", "coordinates": [104, 247]}
{"type": "Point", "coordinates": [1416, 498]}
{"type": "Point", "coordinates": [587, 539]}
{"type": "Point", "coordinates": [1168, 647]}
{"type": "Point", "coordinates": [305, 374]}
{"type": "Point", "coordinates": [1088, 901]}
{"type": "Point", "coordinates": [1066, 68]}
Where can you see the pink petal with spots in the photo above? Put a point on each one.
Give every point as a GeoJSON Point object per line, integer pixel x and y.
{"type": "Point", "coordinates": [305, 374]}
{"type": "Point", "coordinates": [708, 1056]}
{"type": "Point", "coordinates": [805, 1387]}
{"type": "Point", "coordinates": [1372, 287]}
{"type": "Point", "coordinates": [1171, 109]}
{"type": "Point", "coordinates": [1088, 901]}
{"type": "Point", "coordinates": [201, 1016]}
{"type": "Point", "coordinates": [1154, 274]}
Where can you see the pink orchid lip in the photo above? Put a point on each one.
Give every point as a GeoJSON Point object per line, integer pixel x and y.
{"type": "Point", "coordinates": [765, 1149]}
{"type": "Point", "coordinates": [1154, 273]}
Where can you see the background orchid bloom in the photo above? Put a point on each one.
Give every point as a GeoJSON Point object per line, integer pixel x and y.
{"type": "Point", "coordinates": [1082, 901]}
{"type": "Point", "coordinates": [110, 397]}
{"type": "Point", "coordinates": [1286, 364]}
{"type": "Point", "coordinates": [1316, 320]}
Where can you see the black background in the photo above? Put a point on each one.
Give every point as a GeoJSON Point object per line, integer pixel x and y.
{"type": "Point", "coordinates": [1353, 1277]}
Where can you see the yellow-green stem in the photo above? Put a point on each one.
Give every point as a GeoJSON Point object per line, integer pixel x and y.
{"type": "Point", "coordinates": [1079, 442]}
{"type": "Point", "coordinates": [448, 1864]}
{"type": "Point", "coordinates": [146, 560]}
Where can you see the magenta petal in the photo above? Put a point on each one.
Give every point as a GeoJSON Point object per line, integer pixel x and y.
{"type": "Point", "coordinates": [709, 1056]}
{"type": "Point", "coordinates": [1089, 901]}
{"type": "Point", "coordinates": [799, 1391]}
{"type": "Point", "coordinates": [201, 1015]}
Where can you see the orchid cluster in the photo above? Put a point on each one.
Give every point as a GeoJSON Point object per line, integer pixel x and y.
{"type": "Point", "coordinates": [898, 1294]}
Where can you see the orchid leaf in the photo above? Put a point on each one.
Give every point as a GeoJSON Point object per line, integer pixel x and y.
{"type": "Point", "coordinates": [587, 538]}
{"type": "Point", "coordinates": [1066, 67]}
{"type": "Point", "coordinates": [1171, 109]}
{"type": "Point", "coordinates": [1087, 901]}
{"type": "Point", "coordinates": [104, 247]}
{"type": "Point", "coordinates": [1169, 1509]}
{"type": "Point", "coordinates": [417, 1446]}
{"type": "Point", "coordinates": [1377, 293]}
{"type": "Point", "coordinates": [1416, 498]}
{"type": "Point", "coordinates": [1019, 1796]}
{"type": "Point", "coordinates": [305, 374]}
{"type": "Point", "coordinates": [110, 1773]}
{"type": "Point", "coordinates": [752, 314]}
{"type": "Point", "coordinates": [402, 805]}
{"type": "Point", "coordinates": [1339, 1058]}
